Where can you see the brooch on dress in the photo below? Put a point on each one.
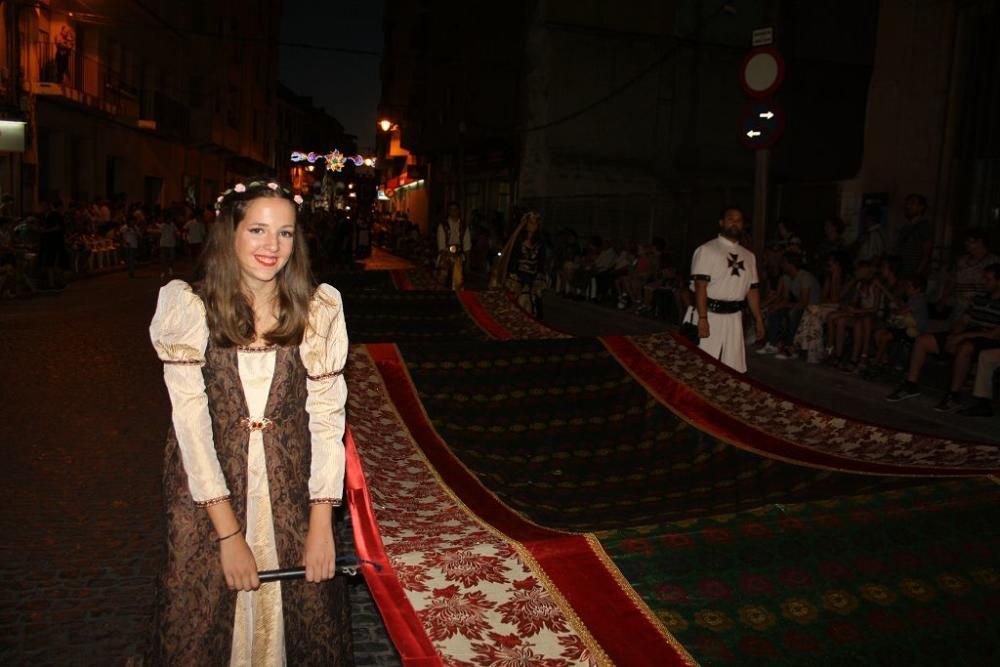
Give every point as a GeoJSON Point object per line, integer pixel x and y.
{"type": "Point", "coordinates": [261, 424]}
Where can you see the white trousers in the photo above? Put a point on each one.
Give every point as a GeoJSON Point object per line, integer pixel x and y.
{"type": "Point", "coordinates": [725, 339]}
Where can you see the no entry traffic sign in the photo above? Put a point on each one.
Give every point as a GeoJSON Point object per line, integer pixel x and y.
{"type": "Point", "coordinates": [762, 123]}
{"type": "Point", "coordinates": [762, 71]}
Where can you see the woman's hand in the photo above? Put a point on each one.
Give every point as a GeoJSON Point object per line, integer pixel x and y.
{"type": "Point", "coordinates": [238, 564]}
{"type": "Point", "coordinates": [319, 555]}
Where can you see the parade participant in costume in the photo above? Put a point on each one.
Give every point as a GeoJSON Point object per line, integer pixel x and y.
{"type": "Point", "coordinates": [724, 277]}
{"type": "Point", "coordinates": [525, 265]}
{"type": "Point", "coordinates": [454, 243]}
{"type": "Point", "coordinates": [253, 360]}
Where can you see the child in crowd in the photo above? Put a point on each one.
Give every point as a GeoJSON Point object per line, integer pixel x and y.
{"type": "Point", "coordinates": [906, 319]}
{"type": "Point", "coordinates": [858, 317]}
{"type": "Point", "coordinates": [630, 286]}
{"type": "Point", "coordinates": [809, 335]}
{"type": "Point", "coordinates": [667, 291]}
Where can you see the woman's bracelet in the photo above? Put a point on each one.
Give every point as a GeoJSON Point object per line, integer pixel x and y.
{"type": "Point", "coordinates": [238, 531]}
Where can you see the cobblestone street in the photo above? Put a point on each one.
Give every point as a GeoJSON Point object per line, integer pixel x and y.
{"type": "Point", "coordinates": [84, 415]}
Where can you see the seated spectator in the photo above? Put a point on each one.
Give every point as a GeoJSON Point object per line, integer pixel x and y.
{"type": "Point", "coordinates": [667, 291]}
{"type": "Point", "coordinates": [787, 239]}
{"type": "Point", "coordinates": [976, 331]}
{"type": "Point", "coordinates": [566, 247]}
{"type": "Point", "coordinates": [965, 281]}
{"type": "Point", "coordinates": [643, 271]}
{"type": "Point", "coordinates": [858, 317]}
{"type": "Point", "coordinates": [982, 392]}
{"type": "Point", "coordinates": [579, 272]}
{"type": "Point", "coordinates": [799, 289]}
{"type": "Point", "coordinates": [906, 319]}
{"type": "Point", "coordinates": [604, 277]}
{"type": "Point", "coordinates": [809, 335]}
{"type": "Point", "coordinates": [624, 262]}
{"type": "Point", "coordinates": [771, 262]}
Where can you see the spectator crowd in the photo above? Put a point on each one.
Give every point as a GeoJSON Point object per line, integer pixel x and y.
{"type": "Point", "coordinates": [874, 307]}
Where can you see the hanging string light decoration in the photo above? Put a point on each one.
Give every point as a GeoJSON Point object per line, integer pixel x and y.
{"type": "Point", "coordinates": [335, 160]}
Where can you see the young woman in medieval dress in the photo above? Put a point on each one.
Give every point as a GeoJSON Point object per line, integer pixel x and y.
{"type": "Point", "coordinates": [253, 360]}
{"type": "Point", "coordinates": [525, 265]}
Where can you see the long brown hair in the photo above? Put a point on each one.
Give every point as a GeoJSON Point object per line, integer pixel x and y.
{"type": "Point", "coordinates": [228, 308]}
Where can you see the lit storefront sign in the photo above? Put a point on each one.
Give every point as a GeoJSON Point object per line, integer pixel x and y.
{"type": "Point", "coordinates": [12, 136]}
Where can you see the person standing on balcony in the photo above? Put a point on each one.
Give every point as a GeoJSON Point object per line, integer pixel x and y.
{"type": "Point", "coordinates": [65, 43]}
{"type": "Point", "coordinates": [724, 277]}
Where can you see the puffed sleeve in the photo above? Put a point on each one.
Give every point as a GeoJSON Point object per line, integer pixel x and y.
{"type": "Point", "coordinates": [324, 353]}
{"type": "Point", "coordinates": [179, 333]}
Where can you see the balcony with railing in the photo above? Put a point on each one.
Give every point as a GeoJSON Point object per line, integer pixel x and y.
{"type": "Point", "coordinates": [71, 75]}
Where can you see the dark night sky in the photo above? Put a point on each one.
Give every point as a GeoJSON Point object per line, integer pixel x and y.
{"type": "Point", "coordinates": [346, 85]}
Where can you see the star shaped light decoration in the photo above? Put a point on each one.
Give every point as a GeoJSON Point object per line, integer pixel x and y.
{"type": "Point", "coordinates": [736, 264]}
{"type": "Point", "coordinates": [335, 161]}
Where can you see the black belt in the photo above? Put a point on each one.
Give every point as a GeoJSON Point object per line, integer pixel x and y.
{"type": "Point", "coordinates": [724, 307]}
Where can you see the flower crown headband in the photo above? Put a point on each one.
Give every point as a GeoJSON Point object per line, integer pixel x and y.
{"type": "Point", "coordinates": [240, 188]}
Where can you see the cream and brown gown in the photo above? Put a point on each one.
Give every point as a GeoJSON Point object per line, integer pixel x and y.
{"type": "Point", "coordinates": [262, 428]}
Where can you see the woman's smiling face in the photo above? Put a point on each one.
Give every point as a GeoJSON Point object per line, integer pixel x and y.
{"type": "Point", "coordinates": [265, 239]}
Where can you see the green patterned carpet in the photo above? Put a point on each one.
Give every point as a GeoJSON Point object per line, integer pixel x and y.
{"type": "Point", "coordinates": [564, 435]}
{"type": "Point", "coordinates": [895, 578]}
{"type": "Point", "coordinates": [357, 281]}
{"type": "Point", "coordinates": [382, 316]}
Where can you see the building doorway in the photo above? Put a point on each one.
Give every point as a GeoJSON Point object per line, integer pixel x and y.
{"type": "Point", "coordinates": [152, 190]}
{"type": "Point", "coordinates": [114, 177]}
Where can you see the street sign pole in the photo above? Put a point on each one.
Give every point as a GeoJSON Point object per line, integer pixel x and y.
{"type": "Point", "coordinates": [763, 122]}
{"type": "Point", "coordinates": [762, 169]}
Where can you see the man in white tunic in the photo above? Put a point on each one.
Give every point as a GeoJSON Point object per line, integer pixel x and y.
{"type": "Point", "coordinates": [724, 278]}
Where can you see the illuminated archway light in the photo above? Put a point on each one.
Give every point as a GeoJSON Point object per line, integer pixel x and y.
{"type": "Point", "coordinates": [335, 160]}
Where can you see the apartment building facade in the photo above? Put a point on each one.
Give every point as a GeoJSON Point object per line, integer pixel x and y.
{"type": "Point", "coordinates": [624, 119]}
{"type": "Point", "coordinates": [149, 102]}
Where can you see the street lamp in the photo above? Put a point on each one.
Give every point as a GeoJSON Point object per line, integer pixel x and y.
{"type": "Point", "coordinates": [386, 125]}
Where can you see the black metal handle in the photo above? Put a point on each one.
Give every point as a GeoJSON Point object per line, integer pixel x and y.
{"type": "Point", "coordinates": [267, 576]}
{"type": "Point", "coordinates": [346, 565]}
